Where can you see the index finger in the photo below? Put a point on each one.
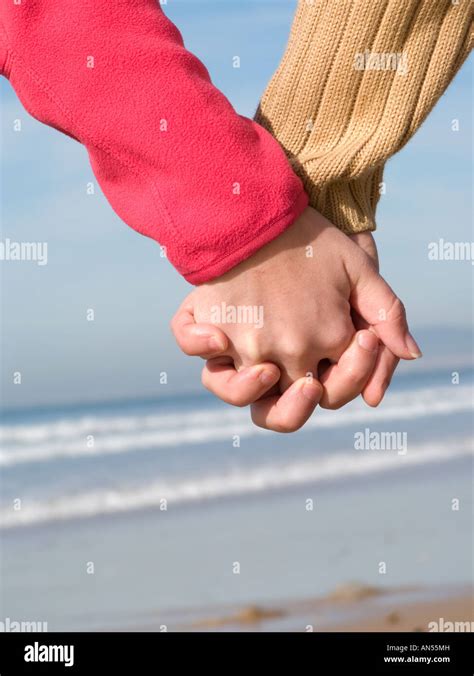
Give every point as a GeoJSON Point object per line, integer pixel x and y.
{"type": "Point", "coordinates": [197, 340]}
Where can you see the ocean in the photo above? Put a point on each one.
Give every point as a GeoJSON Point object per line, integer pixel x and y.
{"type": "Point", "coordinates": [140, 514]}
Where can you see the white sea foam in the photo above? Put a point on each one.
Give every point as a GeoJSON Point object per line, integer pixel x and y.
{"type": "Point", "coordinates": [231, 483]}
{"type": "Point", "coordinates": [129, 433]}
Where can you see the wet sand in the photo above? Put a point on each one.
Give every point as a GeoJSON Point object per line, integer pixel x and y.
{"type": "Point", "coordinates": [446, 615]}
{"type": "Point", "coordinates": [351, 607]}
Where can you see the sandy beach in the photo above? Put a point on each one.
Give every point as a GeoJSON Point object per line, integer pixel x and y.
{"type": "Point", "coordinates": [421, 616]}
{"type": "Point", "coordinates": [354, 608]}
{"type": "Point", "coordinates": [308, 524]}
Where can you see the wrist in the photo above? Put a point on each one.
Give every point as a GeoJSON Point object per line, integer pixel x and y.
{"type": "Point", "coordinates": [366, 242]}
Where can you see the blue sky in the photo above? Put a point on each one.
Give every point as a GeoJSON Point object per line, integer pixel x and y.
{"type": "Point", "coordinates": [95, 261]}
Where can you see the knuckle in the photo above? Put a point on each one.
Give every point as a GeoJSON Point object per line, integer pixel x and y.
{"type": "Point", "coordinates": [187, 349]}
{"type": "Point", "coordinates": [337, 340]}
{"type": "Point", "coordinates": [281, 426]}
{"type": "Point", "coordinates": [252, 349]}
{"type": "Point", "coordinates": [293, 350]}
{"type": "Point", "coordinates": [341, 335]}
{"type": "Point", "coordinates": [285, 427]}
{"type": "Point", "coordinates": [396, 310]}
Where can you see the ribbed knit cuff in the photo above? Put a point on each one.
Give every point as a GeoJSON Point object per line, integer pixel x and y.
{"type": "Point", "coordinates": [348, 204]}
{"type": "Point", "coordinates": [356, 81]}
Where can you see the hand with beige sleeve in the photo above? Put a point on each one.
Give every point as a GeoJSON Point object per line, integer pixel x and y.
{"type": "Point", "coordinates": [304, 285]}
{"type": "Point", "coordinates": [356, 81]}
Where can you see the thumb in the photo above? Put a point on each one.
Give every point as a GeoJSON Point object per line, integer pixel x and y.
{"type": "Point", "coordinates": [375, 301]}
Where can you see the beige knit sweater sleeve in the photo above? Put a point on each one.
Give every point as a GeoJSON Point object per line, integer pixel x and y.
{"type": "Point", "coordinates": [356, 81]}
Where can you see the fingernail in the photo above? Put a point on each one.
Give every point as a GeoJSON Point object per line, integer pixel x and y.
{"type": "Point", "coordinates": [412, 346]}
{"type": "Point", "coordinates": [216, 344]}
{"type": "Point", "coordinates": [310, 392]}
{"type": "Point", "coordinates": [368, 341]}
{"type": "Point", "coordinates": [257, 373]}
{"type": "Point", "coordinates": [266, 377]}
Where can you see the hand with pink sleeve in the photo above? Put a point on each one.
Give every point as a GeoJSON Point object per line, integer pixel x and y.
{"type": "Point", "coordinates": [308, 282]}
{"type": "Point", "coordinates": [179, 165]}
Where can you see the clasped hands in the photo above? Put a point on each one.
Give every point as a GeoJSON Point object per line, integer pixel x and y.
{"type": "Point", "coordinates": [329, 327]}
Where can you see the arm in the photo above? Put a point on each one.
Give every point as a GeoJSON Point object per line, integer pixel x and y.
{"type": "Point", "coordinates": [173, 158]}
{"type": "Point", "coordinates": [357, 80]}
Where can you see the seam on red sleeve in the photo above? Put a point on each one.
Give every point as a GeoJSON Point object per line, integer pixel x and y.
{"type": "Point", "coordinates": [215, 268]}
{"type": "Point", "coordinates": [4, 51]}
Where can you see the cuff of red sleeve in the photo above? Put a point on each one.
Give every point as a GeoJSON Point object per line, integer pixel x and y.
{"type": "Point", "coordinates": [257, 240]}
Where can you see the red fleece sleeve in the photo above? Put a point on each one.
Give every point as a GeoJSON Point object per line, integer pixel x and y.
{"type": "Point", "coordinates": [174, 159]}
